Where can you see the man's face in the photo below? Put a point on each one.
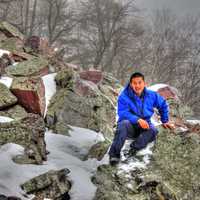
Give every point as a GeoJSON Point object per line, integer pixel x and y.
{"type": "Point", "coordinates": [138, 85]}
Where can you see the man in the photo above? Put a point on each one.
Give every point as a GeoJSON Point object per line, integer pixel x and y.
{"type": "Point", "coordinates": [135, 108]}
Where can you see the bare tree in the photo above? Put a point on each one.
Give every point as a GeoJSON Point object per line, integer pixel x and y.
{"type": "Point", "coordinates": [58, 19]}
{"type": "Point", "coordinates": [102, 29]}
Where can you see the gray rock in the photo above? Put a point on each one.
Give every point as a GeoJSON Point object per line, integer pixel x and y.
{"type": "Point", "coordinates": [53, 185]}
{"type": "Point", "coordinates": [6, 97]}
{"type": "Point", "coordinates": [83, 105]}
{"type": "Point", "coordinates": [15, 112]}
{"type": "Point", "coordinates": [28, 132]}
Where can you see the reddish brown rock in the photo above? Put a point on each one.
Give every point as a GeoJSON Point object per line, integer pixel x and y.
{"type": "Point", "coordinates": [20, 56]}
{"type": "Point", "coordinates": [39, 45]}
{"type": "Point", "coordinates": [168, 93]}
{"type": "Point", "coordinates": [94, 76]}
{"type": "Point", "coordinates": [85, 88]}
{"type": "Point", "coordinates": [30, 93]}
{"type": "Point", "coordinates": [5, 61]}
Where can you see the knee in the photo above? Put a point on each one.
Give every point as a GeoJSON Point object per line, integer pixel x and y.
{"type": "Point", "coordinates": [124, 122]}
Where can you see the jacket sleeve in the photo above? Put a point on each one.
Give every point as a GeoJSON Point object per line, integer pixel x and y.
{"type": "Point", "coordinates": [163, 108]}
{"type": "Point", "coordinates": [124, 112]}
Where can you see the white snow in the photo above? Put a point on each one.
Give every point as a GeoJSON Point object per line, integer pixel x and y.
{"type": "Point", "coordinates": [4, 52]}
{"type": "Point", "coordinates": [50, 88]}
{"type": "Point", "coordinates": [135, 163]}
{"type": "Point", "coordinates": [193, 121]}
{"type": "Point", "coordinates": [5, 119]}
{"type": "Point", "coordinates": [156, 87]}
{"type": "Point", "coordinates": [7, 81]}
{"type": "Point", "coordinates": [62, 155]}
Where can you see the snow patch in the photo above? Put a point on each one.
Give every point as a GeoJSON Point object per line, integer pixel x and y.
{"type": "Point", "coordinates": [60, 157]}
{"type": "Point", "coordinates": [7, 81]}
{"type": "Point", "coordinates": [5, 119]}
{"type": "Point", "coordinates": [194, 121]}
{"type": "Point", "coordinates": [50, 88]}
{"type": "Point", "coordinates": [4, 52]}
{"type": "Point", "coordinates": [156, 87]}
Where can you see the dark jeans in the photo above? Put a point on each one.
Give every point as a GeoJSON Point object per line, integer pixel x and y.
{"type": "Point", "coordinates": [125, 129]}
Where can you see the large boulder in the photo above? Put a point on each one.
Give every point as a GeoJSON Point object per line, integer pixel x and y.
{"type": "Point", "coordinates": [7, 99]}
{"type": "Point", "coordinates": [52, 185]}
{"type": "Point", "coordinates": [36, 66]}
{"type": "Point", "coordinates": [173, 173]}
{"type": "Point", "coordinates": [28, 132]}
{"type": "Point", "coordinates": [30, 93]}
{"type": "Point", "coordinates": [176, 164]}
{"type": "Point", "coordinates": [12, 44]}
{"type": "Point", "coordinates": [82, 104]}
{"type": "Point", "coordinates": [10, 31]}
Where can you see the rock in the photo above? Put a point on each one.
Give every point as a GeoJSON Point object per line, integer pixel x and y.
{"type": "Point", "coordinates": [33, 43]}
{"type": "Point", "coordinates": [98, 150]}
{"type": "Point", "coordinates": [6, 97]}
{"type": "Point", "coordinates": [176, 160]}
{"type": "Point", "coordinates": [36, 66]}
{"type": "Point", "coordinates": [65, 78]}
{"type": "Point", "coordinates": [36, 44]}
{"type": "Point", "coordinates": [52, 185]}
{"type": "Point", "coordinates": [10, 31]}
{"type": "Point", "coordinates": [5, 61]}
{"type": "Point", "coordinates": [12, 44]}
{"type": "Point", "coordinates": [18, 56]}
{"type": "Point", "coordinates": [94, 76]}
{"type": "Point", "coordinates": [168, 92]}
{"type": "Point", "coordinates": [28, 132]}
{"type": "Point", "coordinates": [111, 185]}
{"type": "Point", "coordinates": [30, 93]}
{"type": "Point", "coordinates": [3, 197]}
{"type": "Point", "coordinates": [93, 111]}
{"type": "Point", "coordinates": [15, 112]}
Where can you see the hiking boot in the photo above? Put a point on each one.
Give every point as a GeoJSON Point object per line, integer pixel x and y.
{"type": "Point", "coordinates": [114, 160]}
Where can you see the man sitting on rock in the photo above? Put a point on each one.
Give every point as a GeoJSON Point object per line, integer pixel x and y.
{"type": "Point", "coordinates": [135, 108]}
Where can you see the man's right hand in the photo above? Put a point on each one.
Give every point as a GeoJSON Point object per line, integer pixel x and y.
{"type": "Point", "coordinates": [143, 124]}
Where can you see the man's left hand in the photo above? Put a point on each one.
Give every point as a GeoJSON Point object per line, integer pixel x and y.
{"type": "Point", "coordinates": [168, 125]}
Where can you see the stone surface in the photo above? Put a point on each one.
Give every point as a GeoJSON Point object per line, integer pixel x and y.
{"type": "Point", "coordinates": [12, 44]}
{"type": "Point", "coordinates": [28, 132]}
{"type": "Point", "coordinates": [36, 66]}
{"type": "Point", "coordinates": [81, 103]}
{"type": "Point", "coordinates": [173, 172]}
{"type": "Point", "coordinates": [6, 97]}
{"type": "Point", "coordinates": [65, 78]}
{"type": "Point", "coordinates": [14, 112]}
{"type": "Point", "coordinates": [98, 150]}
{"type": "Point", "coordinates": [5, 61]}
{"type": "Point", "coordinates": [94, 76]}
{"type": "Point", "coordinates": [168, 92]}
{"type": "Point", "coordinates": [18, 56]}
{"type": "Point", "coordinates": [52, 185]}
{"type": "Point", "coordinates": [30, 93]}
{"type": "Point", "coordinates": [93, 111]}
{"type": "Point", "coordinates": [10, 31]}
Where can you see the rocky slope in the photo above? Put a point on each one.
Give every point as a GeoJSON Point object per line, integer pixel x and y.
{"type": "Point", "coordinates": [87, 99]}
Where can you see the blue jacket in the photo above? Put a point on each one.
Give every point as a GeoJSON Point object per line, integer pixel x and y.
{"type": "Point", "coordinates": [131, 107]}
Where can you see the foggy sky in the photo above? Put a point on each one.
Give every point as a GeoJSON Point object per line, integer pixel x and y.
{"type": "Point", "coordinates": [181, 7]}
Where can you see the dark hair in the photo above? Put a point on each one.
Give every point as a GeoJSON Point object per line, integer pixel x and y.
{"type": "Point", "coordinates": [136, 74]}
